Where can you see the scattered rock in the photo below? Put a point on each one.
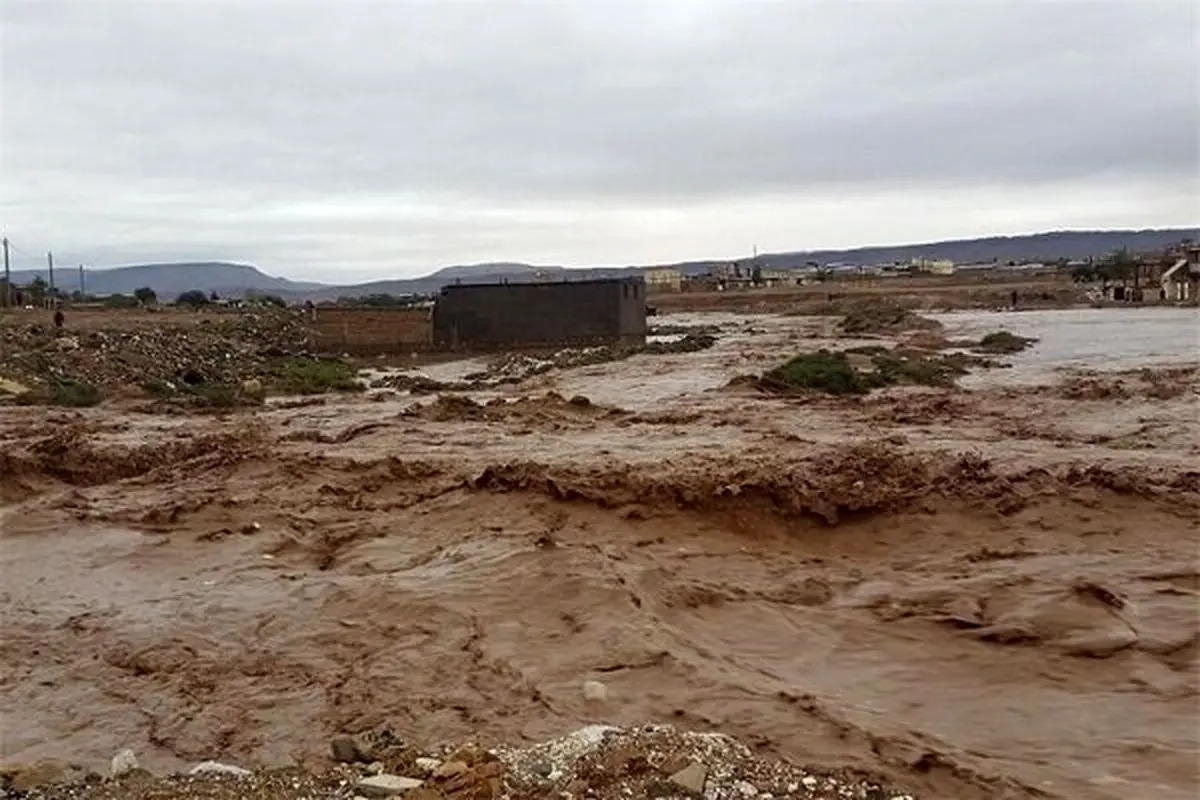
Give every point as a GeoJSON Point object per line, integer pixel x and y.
{"type": "Point", "coordinates": [387, 785]}
{"type": "Point", "coordinates": [427, 765]}
{"type": "Point", "coordinates": [450, 769]}
{"type": "Point", "coordinates": [217, 768]}
{"type": "Point", "coordinates": [221, 350]}
{"type": "Point", "coordinates": [691, 778]}
{"type": "Point", "coordinates": [746, 789]}
{"type": "Point", "coordinates": [12, 387]}
{"type": "Point", "coordinates": [123, 763]}
{"type": "Point", "coordinates": [347, 750]}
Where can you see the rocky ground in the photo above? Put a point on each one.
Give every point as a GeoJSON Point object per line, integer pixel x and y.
{"type": "Point", "coordinates": [170, 349]}
{"type": "Point", "coordinates": [598, 761]}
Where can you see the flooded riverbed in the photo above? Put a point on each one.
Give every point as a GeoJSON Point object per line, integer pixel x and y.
{"type": "Point", "coordinates": [975, 594]}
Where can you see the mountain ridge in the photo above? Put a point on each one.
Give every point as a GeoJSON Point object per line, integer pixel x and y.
{"type": "Point", "coordinates": [228, 279]}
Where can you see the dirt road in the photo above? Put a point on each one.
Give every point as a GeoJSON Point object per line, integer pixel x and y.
{"type": "Point", "coordinates": [972, 594]}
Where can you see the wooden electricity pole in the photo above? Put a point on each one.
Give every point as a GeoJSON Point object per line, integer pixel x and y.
{"type": "Point", "coordinates": [7, 299]}
{"type": "Point", "coordinates": [82, 285]}
{"type": "Point", "coordinates": [50, 267]}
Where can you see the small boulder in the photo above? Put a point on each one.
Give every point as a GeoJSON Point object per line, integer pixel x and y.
{"type": "Point", "coordinates": [386, 785]}
{"type": "Point", "coordinates": [427, 765]}
{"type": "Point", "coordinates": [450, 769]}
{"type": "Point", "coordinates": [347, 750]}
{"type": "Point", "coordinates": [595, 691]}
{"type": "Point", "coordinates": [253, 388]}
{"type": "Point", "coordinates": [746, 789]}
{"type": "Point", "coordinates": [217, 768]}
{"type": "Point", "coordinates": [691, 778]}
{"type": "Point", "coordinates": [123, 763]}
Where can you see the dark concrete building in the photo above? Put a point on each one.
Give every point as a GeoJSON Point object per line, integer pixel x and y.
{"type": "Point", "coordinates": [494, 315]}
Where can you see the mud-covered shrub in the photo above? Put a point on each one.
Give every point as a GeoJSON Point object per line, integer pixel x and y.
{"type": "Point", "coordinates": [316, 376]}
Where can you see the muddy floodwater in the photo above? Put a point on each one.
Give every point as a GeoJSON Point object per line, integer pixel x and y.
{"type": "Point", "coordinates": [1109, 339]}
{"type": "Point", "coordinates": [980, 592]}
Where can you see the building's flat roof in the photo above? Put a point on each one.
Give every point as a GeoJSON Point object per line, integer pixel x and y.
{"type": "Point", "coordinates": [515, 284]}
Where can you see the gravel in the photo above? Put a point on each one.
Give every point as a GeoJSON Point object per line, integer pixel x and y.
{"type": "Point", "coordinates": [597, 762]}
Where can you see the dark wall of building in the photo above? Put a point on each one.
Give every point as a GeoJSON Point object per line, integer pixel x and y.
{"type": "Point", "coordinates": [483, 316]}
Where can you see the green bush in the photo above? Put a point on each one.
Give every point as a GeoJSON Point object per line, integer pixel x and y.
{"type": "Point", "coordinates": [120, 301]}
{"type": "Point", "coordinates": [205, 395]}
{"type": "Point", "coordinates": [316, 376]}
{"type": "Point", "coordinates": [1004, 342]}
{"type": "Point", "coordinates": [193, 297]}
{"type": "Point", "coordinates": [821, 371]}
{"type": "Point", "coordinates": [834, 373]}
{"type": "Point", "coordinates": [893, 369]}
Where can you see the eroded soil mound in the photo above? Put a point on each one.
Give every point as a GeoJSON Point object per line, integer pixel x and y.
{"type": "Point", "coordinates": [548, 409]}
{"type": "Point", "coordinates": [882, 318]}
{"type": "Point", "coordinates": [1165, 383]}
{"type": "Point", "coordinates": [71, 456]}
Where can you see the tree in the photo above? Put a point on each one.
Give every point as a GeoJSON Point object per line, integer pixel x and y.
{"type": "Point", "coordinates": [1119, 266]}
{"type": "Point", "coordinates": [1084, 273]}
{"type": "Point", "coordinates": [146, 296]}
{"type": "Point", "coordinates": [194, 298]}
{"type": "Point", "coordinates": [214, 297]}
{"type": "Point", "coordinates": [120, 301]}
{"type": "Point", "coordinates": [262, 299]}
{"type": "Point", "coordinates": [37, 291]}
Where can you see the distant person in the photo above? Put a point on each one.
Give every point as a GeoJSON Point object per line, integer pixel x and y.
{"type": "Point", "coordinates": [59, 319]}
{"type": "Point", "coordinates": [1014, 298]}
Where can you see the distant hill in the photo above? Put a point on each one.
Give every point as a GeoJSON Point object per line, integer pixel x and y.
{"type": "Point", "coordinates": [234, 280]}
{"type": "Point", "coordinates": [170, 280]}
{"type": "Point", "coordinates": [1036, 247]}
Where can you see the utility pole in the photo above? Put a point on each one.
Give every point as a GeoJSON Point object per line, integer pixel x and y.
{"type": "Point", "coordinates": [82, 285]}
{"type": "Point", "coordinates": [7, 277]}
{"type": "Point", "coordinates": [50, 266]}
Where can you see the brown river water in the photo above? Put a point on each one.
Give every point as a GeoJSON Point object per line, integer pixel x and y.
{"type": "Point", "coordinates": [978, 594]}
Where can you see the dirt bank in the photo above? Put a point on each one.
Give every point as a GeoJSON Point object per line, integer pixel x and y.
{"type": "Point", "coordinates": [961, 594]}
{"type": "Point", "coordinates": [920, 293]}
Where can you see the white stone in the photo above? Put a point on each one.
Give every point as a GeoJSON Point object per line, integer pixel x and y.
{"type": "Point", "coordinates": [427, 765]}
{"type": "Point", "coordinates": [595, 691]}
{"type": "Point", "coordinates": [746, 789]}
{"type": "Point", "coordinates": [124, 763]}
{"type": "Point", "coordinates": [387, 785]}
{"type": "Point", "coordinates": [217, 768]}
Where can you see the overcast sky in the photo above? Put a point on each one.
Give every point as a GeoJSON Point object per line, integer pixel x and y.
{"type": "Point", "coordinates": [346, 140]}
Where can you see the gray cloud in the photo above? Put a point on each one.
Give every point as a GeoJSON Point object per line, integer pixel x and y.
{"type": "Point", "coordinates": [393, 137]}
